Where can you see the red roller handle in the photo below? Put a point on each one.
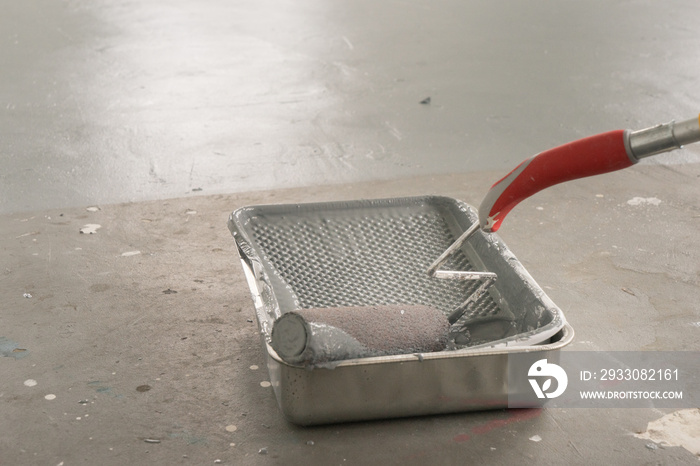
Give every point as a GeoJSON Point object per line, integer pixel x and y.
{"type": "Point", "coordinates": [590, 156]}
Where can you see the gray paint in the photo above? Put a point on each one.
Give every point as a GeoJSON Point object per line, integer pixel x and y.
{"type": "Point", "coordinates": [111, 101]}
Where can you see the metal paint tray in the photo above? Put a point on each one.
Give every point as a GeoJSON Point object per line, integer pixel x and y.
{"type": "Point", "coordinates": [370, 252]}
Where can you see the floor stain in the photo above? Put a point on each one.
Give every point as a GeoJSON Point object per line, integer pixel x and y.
{"type": "Point", "coordinates": [100, 387]}
{"type": "Point", "coordinates": [11, 349]}
{"type": "Point", "coordinates": [677, 429]}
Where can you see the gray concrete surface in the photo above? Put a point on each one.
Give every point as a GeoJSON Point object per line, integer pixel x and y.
{"type": "Point", "coordinates": [133, 107]}
{"type": "Point", "coordinates": [177, 317]}
{"type": "Point", "coordinates": [125, 101]}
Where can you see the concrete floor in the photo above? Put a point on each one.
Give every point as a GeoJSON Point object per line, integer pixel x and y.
{"type": "Point", "coordinates": [166, 116]}
{"type": "Point", "coordinates": [140, 100]}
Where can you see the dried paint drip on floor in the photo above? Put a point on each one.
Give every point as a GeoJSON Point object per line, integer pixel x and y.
{"type": "Point", "coordinates": [677, 429]}
{"type": "Point", "coordinates": [637, 201]}
{"type": "Point", "coordinates": [90, 228]}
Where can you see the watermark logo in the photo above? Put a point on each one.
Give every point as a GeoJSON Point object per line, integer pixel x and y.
{"type": "Point", "coordinates": [543, 370]}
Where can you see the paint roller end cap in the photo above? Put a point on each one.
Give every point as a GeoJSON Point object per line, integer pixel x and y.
{"type": "Point", "coordinates": [289, 336]}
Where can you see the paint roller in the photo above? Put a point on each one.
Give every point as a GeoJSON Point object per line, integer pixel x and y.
{"type": "Point", "coordinates": [317, 336]}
